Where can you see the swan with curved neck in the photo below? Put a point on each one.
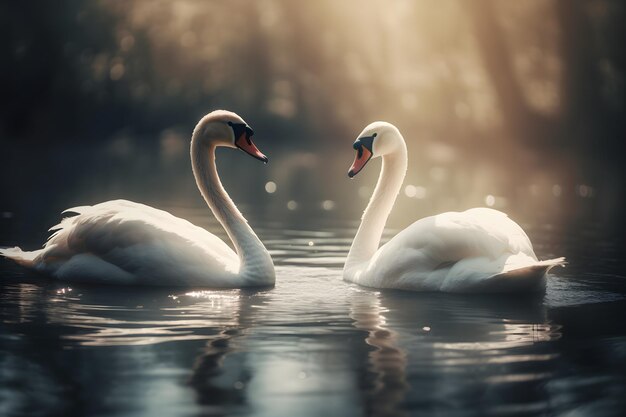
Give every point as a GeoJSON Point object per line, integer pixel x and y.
{"type": "Point", "coordinates": [122, 242]}
{"type": "Point", "coordinates": [478, 250]}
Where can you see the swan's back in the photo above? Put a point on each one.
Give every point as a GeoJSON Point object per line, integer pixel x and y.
{"type": "Point", "coordinates": [454, 252]}
{"type": "Point", "coordinates": [476, 232]}
{"type": "Point", "coordinates": [131, 243]}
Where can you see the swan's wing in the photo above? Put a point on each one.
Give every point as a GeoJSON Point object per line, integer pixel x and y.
{"type": "Point", "coordinates": [449, 237]}
{"type": "Point", "coordinates": [133, 236]}
{"type": "Point", "coordinates": [430, 248]}
{"type": "Point", "coordinates": [510, 237]}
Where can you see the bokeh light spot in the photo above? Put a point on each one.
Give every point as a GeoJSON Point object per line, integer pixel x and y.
{"type": "Point", "coordinates": [328, 205]}
{"type": "Point", "coordinates": [584, 191]}
{"type": "Point", "coordinates": [117, 71]}
{"type": "Point", "coordinates": [270, 187]}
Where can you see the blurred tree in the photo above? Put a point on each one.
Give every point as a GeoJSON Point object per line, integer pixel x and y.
{"type": "Point", "coordinates": [585, 113]}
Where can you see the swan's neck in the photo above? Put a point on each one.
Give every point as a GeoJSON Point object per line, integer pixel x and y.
{"type": "Point", "coordinates": [255, 262]}
{"type": "Point", "coordinates": [368, 236]}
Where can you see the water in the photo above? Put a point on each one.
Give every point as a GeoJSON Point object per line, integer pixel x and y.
{"type": "Point", "coordinates": [317, 346]}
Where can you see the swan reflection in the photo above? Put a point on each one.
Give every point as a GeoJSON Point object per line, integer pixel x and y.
{"type": "Point", "coordinates": [214, 381]}
{"type": "Point", "coordinates": [444, 348]}
{"type": "Point", "coordinates": [387, 361]}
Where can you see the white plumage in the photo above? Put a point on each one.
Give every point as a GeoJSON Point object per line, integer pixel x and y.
{"type": "Point", "coordinates": [122, 242]}
{"type": "Point", "coordinates": [478, 250]}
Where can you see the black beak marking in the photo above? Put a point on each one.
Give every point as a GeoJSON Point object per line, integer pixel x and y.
{"type": "Point", "coordinates": [249, 133]}
{"type": "Point", "coordinates": [367, 141]}
{"type": "Point", "coordinates": [241, 128]}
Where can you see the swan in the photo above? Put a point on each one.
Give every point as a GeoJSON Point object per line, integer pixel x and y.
{"type": "Point", "coordinates": [122, 242]}
{"type": "Point", "coordinates": [477, 250]}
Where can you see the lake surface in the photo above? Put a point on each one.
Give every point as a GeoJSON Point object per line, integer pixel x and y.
{"type": "Point", "coordinates": [316, 346]}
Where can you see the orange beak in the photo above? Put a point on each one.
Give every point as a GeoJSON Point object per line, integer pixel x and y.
{"type": "Point", "coordinates": [245, 144]}
{"type": "Point", "coordinates": [363, 155]}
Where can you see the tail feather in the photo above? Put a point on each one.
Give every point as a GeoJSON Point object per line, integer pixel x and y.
{"type": "Point", "coordinates": [19, 256]}
{"type": "Point", "coordinates": [530, 278]}
{"type": "Point", "coordinates": [76, 210]}
{"type": "Point", "coordinates": [69, 214]}
{"type": "Point", "coordinates": [548, 264]}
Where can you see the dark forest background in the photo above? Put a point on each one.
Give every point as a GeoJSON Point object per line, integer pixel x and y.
{"type": "Point", "coordinates": [514, 105]}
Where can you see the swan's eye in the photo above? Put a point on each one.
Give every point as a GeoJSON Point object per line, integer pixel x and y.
{"type": "Point", "coordinates": [374, 135]}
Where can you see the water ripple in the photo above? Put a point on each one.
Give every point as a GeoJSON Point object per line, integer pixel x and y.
{"type": "Point", "coordinates": [314, 339]}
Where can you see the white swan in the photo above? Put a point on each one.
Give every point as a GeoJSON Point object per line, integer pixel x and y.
{"type": "Point", "coordinates": [121, 242]}
{"type": "Point", "coordinates": [478, 250]}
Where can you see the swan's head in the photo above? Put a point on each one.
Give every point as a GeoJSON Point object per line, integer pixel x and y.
{"type": "Point", "coordinates": [377, 139]}
{"type": "Point", "coordinates": [225, 128]}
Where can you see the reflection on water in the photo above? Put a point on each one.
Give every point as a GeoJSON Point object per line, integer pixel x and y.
{"type": "Point", "coordinates": [313, 344]}
{"type": "Point", "coordinates": [387, 362]}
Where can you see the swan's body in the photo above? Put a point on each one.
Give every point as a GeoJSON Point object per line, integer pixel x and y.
{"type": "Point", "coordinates": [121, 242]}
{"type": "Point", "coordinates": [478, 250]}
